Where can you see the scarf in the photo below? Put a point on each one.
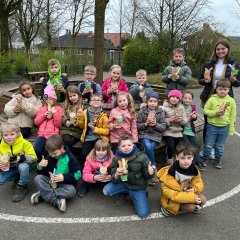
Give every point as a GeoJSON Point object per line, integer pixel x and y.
{"type": "Point", "coordinates": [55, 80]}
{"type": "Point", "coordinates": [101, 160]}
{"type": "Point", "coordinates": [121, 154]}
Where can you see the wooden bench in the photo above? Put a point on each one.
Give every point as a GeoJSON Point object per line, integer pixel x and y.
{"type": "Point", "coordinates": [160, 151]}
{"type": "Point", "coordinates": [35, 76]}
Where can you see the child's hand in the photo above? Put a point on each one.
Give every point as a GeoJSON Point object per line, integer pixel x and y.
{"type": "Point", "coordinates": [80, 110]}
{"type": "Point", "coordinates": [169, 76]}
{"type": "Point", "coordinates": [190, 190]}
{"type": "Point", "coordinates": [49, 115]}
{"type": "Point", "coordinates": [17, 110]}
{"type": "Point", "coordinates": [233, 78]}
{"type": "Point", "coordinates": [198, 200]}
{"type": "Point", "coordinates": [194, 115]}
{"type": "Point", "coordinates": [219, 113]}
{"type": "Point", "coordinates": [91, 126]}
{"type": "Point", "coordinates": [44, 162]}
{"type": "Point", "coordinates": [172, 119]}
{"type": "Point", "coordinates": [86, 90]}
{"type": "Point", "coordinates": [107, 178]}
{"type": "Point", "coordinates": [61, 88]}
{"type": "Point", "coordinates": [207, 79]}
{"type": "Point", "coordinates": [176, 76]}
{"type": "Point", "coordinates": [56, 177]}
{"type": "Point", "coordinates": [99, 178]}
{"type": "Point", "coordinates": [178, 120]}
{"type": "Point", "coordinates": [109, 91]}
{"type": "Point", "coordinates": [150, 169]}
{"type": "Point", "coordinates": [119, 172]}
{"type": "Point", "coordinates": [152, 122]}
{"type": "Point", "coordinates": [116, 126]}
{"type": "Point", "coordinates": [68, 123]}
{"type": "Point", "coordinates": [3, 166]}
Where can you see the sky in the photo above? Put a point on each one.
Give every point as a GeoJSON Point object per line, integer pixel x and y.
{"type": "Point", "coordinates": [225, 21]}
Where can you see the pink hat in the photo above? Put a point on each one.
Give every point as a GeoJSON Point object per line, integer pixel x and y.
{"type": "Point", "coordinates": [49, 92]}
{"type": "Point", "coordinates": [175, 93]}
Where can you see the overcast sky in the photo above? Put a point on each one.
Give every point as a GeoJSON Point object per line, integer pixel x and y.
{"type": "Point", "coordinates": [222, 11]}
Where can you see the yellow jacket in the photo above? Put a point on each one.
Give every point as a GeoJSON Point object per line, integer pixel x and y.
{"type": "Point", "coordinates": [173, 195]}
{"type": "Point", "coordinates": [101, 128]}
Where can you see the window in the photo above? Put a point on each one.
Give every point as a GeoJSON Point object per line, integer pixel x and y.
{"type": "Point", "coordinates": [90, 52]}
{"type": "Point", "coordinates": [79, 51]}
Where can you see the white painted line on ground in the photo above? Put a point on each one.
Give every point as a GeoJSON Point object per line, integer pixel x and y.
{"type": "Point", "coordinates": [15, 218]}
{"type": "Point", "coordinates": [238, 134]}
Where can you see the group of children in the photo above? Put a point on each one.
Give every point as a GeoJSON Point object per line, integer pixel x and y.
{"type": "Point", "coordinates": [126, 165]}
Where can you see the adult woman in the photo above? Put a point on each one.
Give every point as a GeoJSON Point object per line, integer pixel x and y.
{"type": "Point", "coordinates": [221, 66]}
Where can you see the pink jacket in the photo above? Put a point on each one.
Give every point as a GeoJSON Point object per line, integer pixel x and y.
{"type": "Point", "coordinates": [129, 125]}
{"type": "Point", "coordinates": [90, 168]}
{"type": "Point", "coordinates": [122, 87]}
{"type": "Point", "coordinates": [48, 127]}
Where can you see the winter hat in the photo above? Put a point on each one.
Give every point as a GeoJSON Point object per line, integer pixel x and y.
{"type": "Point", "coordinates": [175, 93]}
{"type": "Point", "coordinates": [49, 92]}
{"type": "Point", "coordinates": [152, 95]}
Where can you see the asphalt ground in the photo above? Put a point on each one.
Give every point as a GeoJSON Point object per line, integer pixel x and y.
{"type": "Point", "coordinates": [96, 216]}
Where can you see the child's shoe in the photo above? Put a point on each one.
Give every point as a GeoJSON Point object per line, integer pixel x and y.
{"type": "Point", "coordinates": [217, 163]}
{"type": "Point", "coordinates": [20, 194]}
{"type": "Point", "coordinates": [84, 188]}
{"type": "Point", "coordinates": [60, 204]}
{"type": "Point", "coordinates": [200, 166]}
{"type": "Point", "coordinates": [121, 199]}
{"type": "Point", "coordinates": [205, 162]}
{"type": "Point", "coordinates": [165, 212]}
{"type": "Point", "coordinates": [36, 198]}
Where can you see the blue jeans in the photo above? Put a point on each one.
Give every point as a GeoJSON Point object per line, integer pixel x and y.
{"type": "Point", "coordinates": [39, 147]}
{"type": "Point", "coordinates": [140, 200]}
{"type": "Point", "coordinates": [215, 138]}
{"type": "Point", "coordinates": [149, 145]}
{"type": "Point", "coordinates": [22, 170]}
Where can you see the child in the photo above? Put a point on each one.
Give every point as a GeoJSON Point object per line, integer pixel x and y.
{"type": "Point", "coordinates": [94, 123]}
{"type": "Point", "coordinates": [48, 119]}
{"type": "Point", "coordinates": [151, 125]}
{"type": "Point", "coordinates": [181, 184]}
{"type": "Point", "coordinates": [177, 75]}
{"type": "Point", "coordinates": [189, 128]}
{"type": "Point", "coordinates": [16, 158]}
{"type": "Point", "coordinates": [134, 180]}
{"type": "Point", "coordinates": [122, 119]}
{"type": "Point", "coordinates": [56, 79]}
{"type": "Point", "coordinates": [175, 118]}
{"type": "Point", "coordinates": [73, 104]}
{"type": "Point", "coordinates": [141, 88]}
{"type": "Point", "coordinates": [22, 109]}
{"type": "Point", "coordinates": [89, 87]}
{"type": "Point", "coordinates": [97, 167]}
{"type": "Point", "coordinates": [113, 84]}
{"type": "Point", "coordinates": [57, 175]}
{"type": "Point", "coordinates": [220, 110]}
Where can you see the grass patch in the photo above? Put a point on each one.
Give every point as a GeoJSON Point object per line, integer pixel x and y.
{"type": "Point", "coordinates": [156, 79]}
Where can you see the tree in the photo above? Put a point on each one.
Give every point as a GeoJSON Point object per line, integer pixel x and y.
{"type": "Point", "coordinates": [99, 14]}
{"type": "Point", "coordinates": [29, 21]}
{"type": "Point", "coordinates": [7, 9]}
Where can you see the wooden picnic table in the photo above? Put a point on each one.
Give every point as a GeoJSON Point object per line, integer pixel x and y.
{"type": "Point", "coordinates": [35, 76]}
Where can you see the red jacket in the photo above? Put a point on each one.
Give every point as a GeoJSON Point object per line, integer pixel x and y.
{"type": "Point", "coordinates": [122, 87]}
{"type": "Point", "coordinates": [48, 127]}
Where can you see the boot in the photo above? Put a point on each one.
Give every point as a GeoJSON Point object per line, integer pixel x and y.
{"type": "Point", "coordinates": [21, 192]}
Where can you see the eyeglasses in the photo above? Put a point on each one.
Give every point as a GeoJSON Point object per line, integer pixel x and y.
{"type": "Point", "coordinates": [96, 100]}
{"type": "Point", "coordinates": [90, 74]}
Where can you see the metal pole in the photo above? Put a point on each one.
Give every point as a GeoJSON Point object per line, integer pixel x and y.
{"type": "Point", "coordinates": [120, 35]}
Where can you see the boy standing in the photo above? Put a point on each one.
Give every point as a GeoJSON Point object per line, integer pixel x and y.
{"type": "Point", "coordinates": [141, 88]}
{"type": "Point", "coordinates": [17, 155]}
{"type": "Point", "coordinates": [55, 78]}
{"type": "Point", "coordinates": [89, 87]}
{"type": "Point", "coordinates": [57, 175]}
{"type": "Point", "coordinates": [177, 75]}
{"type": "Point", "coordinates": [181, 184]}
{"type": "Point", "coordinates": [220, 110]}
{"type": "Point", "coordinates": [94, 123]}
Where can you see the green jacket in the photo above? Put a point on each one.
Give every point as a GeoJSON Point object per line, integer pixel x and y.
{"type": "Point", "coordinates": [229, 117]}
{"type": "Point", "coordinates": [137, 172]}
{"type": "Point", "coordinates": [185, 74]}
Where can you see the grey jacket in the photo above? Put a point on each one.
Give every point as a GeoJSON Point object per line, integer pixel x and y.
{"type": "Point", "coordinates": [134, 91]}
{"type": "Point", "coordinates": [185, 74]}
{"type": "Point", "coordinates": [153, 133]}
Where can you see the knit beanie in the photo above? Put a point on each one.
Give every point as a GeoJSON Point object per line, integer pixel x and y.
{"type": "Point", "coordinates": [49, 92]}
{"type": "Point", "coordinates": [152, 95]}
{"type": "Point", "coordinates": [175, 93]}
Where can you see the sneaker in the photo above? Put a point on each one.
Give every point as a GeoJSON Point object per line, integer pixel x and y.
{"type": "Point", "coordinates": [84, 188]}
{"type": "Point", "coordinates": [121, 199]}
{"type": "Point", "coordinates": [200, 166]}
{"type": "Point", "coordinates": [60, 204]}
{"type": "Point", "coordinates": [36, 198]}
{"type": "Point", "coordinates": [218, 165]}
{"type": "Point", "coordinates": [197, 209]}
{"type": "Point", "coordinates": [205, 162]}
{"type": "Point", "coordinates": [165, 212]}
{"type": "Point", "coordinates": [20, 194]}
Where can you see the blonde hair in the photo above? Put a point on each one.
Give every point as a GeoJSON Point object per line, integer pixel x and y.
{"type": "Point", "coordinates": [141, 72]}
{"type": "Point", "coordinates": [130, 103]}
{"type": "Point", "coordinates": [9, 127]}
{"type": "Point", "coordinates": [101, 145]}
{"type": "Point", "coordinates": [90, 68]}
{"type": "Point", "coordinates": [179, 51]}
{"type": "Point", "coordinates": [116, 66]}
{"type": "Point", "coordinates": [67, 103]}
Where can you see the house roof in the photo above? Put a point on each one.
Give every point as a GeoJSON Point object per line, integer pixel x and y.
{"type": "Point", "coordinates": [82, 41]}
{"type": "Point", "coordinates": [115, 37]}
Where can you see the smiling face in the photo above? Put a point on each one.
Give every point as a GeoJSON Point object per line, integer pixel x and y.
{"type": "Point", "coordinates": [115, 74]}
{"type": "Point", "coordinates": [221, 51]}
{"type": "Point", "coordinates": [122, 102]}
{"type": "Point", "coordinates": [96, 102]}
{"type": "Point", "coordinates": [126, 146]}
{"type": "Point", "coordinates": [73, 97]}
{"type": "Point", "coordinates": [9, 136]}
{"type": "Point", "coordinates": [185, 161]}
{"type": "Point", "coordinates": [26, 90]}
{"type": "Point", "coordinates": [174, 100]}
{"type": "Point", "coordinates": [187, 99]}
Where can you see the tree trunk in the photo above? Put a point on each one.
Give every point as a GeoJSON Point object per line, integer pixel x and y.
{"type": "Point", "coordinates": [5, 34]}
{"type": "Point", "coordinates": [48, 26]}
{"type": "Point", "coordinates": [100, 7]}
